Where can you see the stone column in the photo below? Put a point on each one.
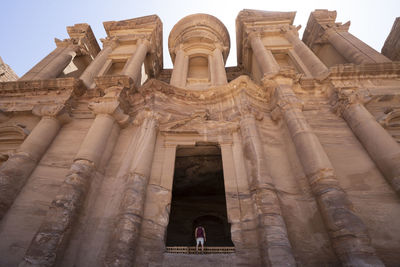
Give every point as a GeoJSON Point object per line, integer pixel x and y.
{"type": "Point", "coordinates": [95, 66]}
{"type": "Point", "coordinates": [16, 170]}
{"type": "Point", "coordinates": [122, 248]}
{"type": "Point", "coordinates": [133, 66]}
{"type": "Point", "coordinates": [52, 237]}
{"type": "Point", "coordinates": [275, 245]}
{"type": "Point", "coordinates": [219, 66]}
{"type": "Point", "coordinates": [179, 73]}
{"type": "Point", "coordinates": [52, 65]}
{"type": "Point", "coordinates": [353, 49]}
{"type": "Point", "coordinates": [264, 57]}
{"type": "Point", "coordinates": [381, 146]}
{"type": "Point", "coordinates": [347, 231]}
{"type": "Point", "coordinates": [312, 62]}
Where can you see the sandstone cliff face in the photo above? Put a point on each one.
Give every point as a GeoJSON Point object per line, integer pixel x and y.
{"type": "Point", "coordinates": [290, 158]}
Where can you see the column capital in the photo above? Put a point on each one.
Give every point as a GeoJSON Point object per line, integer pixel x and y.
{"type": "Point", "coordinates": [110, 42]}
{"type": "Point", "coordinates": [343, 98]}
{"type": "Point", "coordinates": [286, 98]}
{"type": "Point", "coordinates": [147, 115]}
{"type": "Point", "coordinates": [254, 34]}
{"type": "Point", "coordinates": [291, 30]}
{"type": "Point", "coordinates": [111, 108]}
{"type": "Point", "coordinates": [75, 48]}
{"type": "Point", "coordinates": [145, 42]}
{"type": "Point", "coordinates": [57, 111]}
{"type": "Point", "coordinates": [220, 47]}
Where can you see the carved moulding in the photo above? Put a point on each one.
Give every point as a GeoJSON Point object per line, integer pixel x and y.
{"type": "Point", "coordinates": [24, 95]}
{"type": "Point", "coordinates": [147, 27]}
{"type": "Point", "coordinates": [211, 95]}
{"type": "Point", "coordinates": [365, 71]}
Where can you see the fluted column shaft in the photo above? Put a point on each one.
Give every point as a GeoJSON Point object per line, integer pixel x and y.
{"type": "Point", "coordinates": [52, 237]}
{"type": "Point", "coordinates": [95, 66]}
{"type": "Point", "coordinates": [179, 73]}
{"type": "Point", "coordinates": [275, 245]}
{"type": "Point", "coordinates": [219, 67]}
{"type": "Point", "coordinates": [347, 232]}
{"type": "Point", "coordinates": [381, 146]}
{"type": "Point", "coordinates": [353, 49]}
{"type": "Point", "coordinates": [122, 247]}
{"type": "Point", "coordinates": [133, 66]}
{"type": "Point", "coordinates": [16, 170]}
{"type": "Point", "coordinates": [264, 57]}
{"type": "Point", "coordinates": [312, 62]}
{"type": "Point", "coordinates": [52, 65]}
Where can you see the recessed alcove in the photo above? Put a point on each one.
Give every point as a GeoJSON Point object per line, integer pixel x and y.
{"type": "Point", "coordinates": [198, 197]}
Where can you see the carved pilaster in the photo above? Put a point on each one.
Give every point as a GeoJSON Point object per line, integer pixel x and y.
{"type": "Point", "coordinates": [311, 61]}
{"type": "Point", "coordinates": [264, 57]}
{"type": "Point", "coordinates": [48, 242]}
{"type": "Point", "coordinates": [274, 242]}
{"type": "Point", "coordinates": [96, 65]}
{"type": "Point", "coordinates": [380, 145]}
{"type": "Point", "coordinates": [347, 232]}
{"type": "Point", "coordinates": [133, 66]}
{"type": "Point", "coordinates": [219, 65]}
{"type": "Point", "coordinates": [322, 28]}
{"type": "Point", "coordinates": [122, 247]}
{"type": "Point", "coordinates": [179, 73]}
{"type": "Point", "coordinates": [16, 170]}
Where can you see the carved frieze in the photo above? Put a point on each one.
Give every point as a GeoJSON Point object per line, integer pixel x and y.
{"type": "Point", "coordinates": [22, 96]}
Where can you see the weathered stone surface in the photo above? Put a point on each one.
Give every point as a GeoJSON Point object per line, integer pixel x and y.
{"type": "Point", "coordinates": [289, 158]}
{"type": "Point", "coordinates": [6, 73]}
{"type": "Point", "coordinates": [391, 48]}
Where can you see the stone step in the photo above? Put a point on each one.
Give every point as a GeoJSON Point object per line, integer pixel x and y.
{"type": "Point", "coordinates": [198, 260]}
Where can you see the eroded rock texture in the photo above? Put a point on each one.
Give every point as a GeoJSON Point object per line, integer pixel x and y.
{"type": "Point", "coordinates": [290, 158]}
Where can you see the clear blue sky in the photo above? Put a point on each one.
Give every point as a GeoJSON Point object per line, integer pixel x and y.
{"type": "Point", "coordinates": [28, 28]}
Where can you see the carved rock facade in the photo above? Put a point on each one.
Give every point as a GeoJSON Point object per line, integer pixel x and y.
{"type": "Point", "coordinates": [290, 158]}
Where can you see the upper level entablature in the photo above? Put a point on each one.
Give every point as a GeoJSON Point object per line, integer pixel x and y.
{"type": "Point", "coordinates": [332, 42]}
{"type": "Point", "coordinates": [265, 24]}
{"type": "Point", "coordinates": [84, 35]}
{"type": "Point", "coordinates": [199, 34]}
{"type": "Point", "coordinates": [126, 36]}
{"type": "Point", "coordinates": [319, 21]}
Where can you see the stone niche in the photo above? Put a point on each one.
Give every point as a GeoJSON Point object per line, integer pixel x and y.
{"type": "Point", "coordinates": [198, 197]}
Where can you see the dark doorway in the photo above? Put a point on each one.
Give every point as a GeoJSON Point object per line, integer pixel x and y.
{"type": "Point", "coordinates": [198, 197]}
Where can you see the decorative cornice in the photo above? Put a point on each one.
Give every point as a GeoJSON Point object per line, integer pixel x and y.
{"type": "Point", "coordinates": [149, 28]}
{"type": "Point", "coordinates": [350, 71]}
{"type": "Point", "coordinates": [83, 35]}
{"type": "Point", "coordinates": [210, 95]}
{"type": "Point", "coordinates": [107, 81]}
{"type": "Point", "coordinates": [319, 23]}
{"type": "Point", "coordinates": [24, 95]}
{"type": "Point", "coordinates": [258, 21]}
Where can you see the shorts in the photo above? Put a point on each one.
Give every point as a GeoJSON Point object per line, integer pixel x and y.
{"type": "Point", "coordinates": [201, 240]}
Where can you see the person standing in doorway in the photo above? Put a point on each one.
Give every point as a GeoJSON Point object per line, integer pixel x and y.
{"type": "Point", "coordinates": [200, 236]}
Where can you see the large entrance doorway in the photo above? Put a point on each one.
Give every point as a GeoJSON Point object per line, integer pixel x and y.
{"type": "Point", "coordinates": [198, 197]}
